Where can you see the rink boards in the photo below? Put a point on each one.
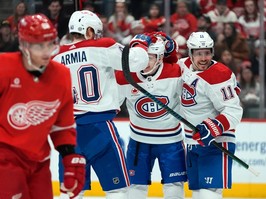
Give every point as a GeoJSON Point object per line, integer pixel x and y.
{"type": "Point", "coordinates": [250, 147]}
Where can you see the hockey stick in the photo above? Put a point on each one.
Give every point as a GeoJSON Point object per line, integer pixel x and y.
{"type": "Point", "coordinates": [126, 71]}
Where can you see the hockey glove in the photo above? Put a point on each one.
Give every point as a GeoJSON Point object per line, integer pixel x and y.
{"type": "Point", "coordinates": [74, 174]}
{"type": "Point", "coordinates": [208, 130]}
{"type": "Point", "coordinates": [170, 44]}
{"type": "Point", "coordinates": [143, 39]}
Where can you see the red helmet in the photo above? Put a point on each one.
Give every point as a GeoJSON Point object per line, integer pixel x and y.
{"type": "Point", "coordinates": [36, 28]}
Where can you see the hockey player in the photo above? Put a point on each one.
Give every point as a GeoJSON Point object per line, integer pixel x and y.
{"type": "Point", "coordinates": [209, 101]}
{"type": "Point", "coordinates": [155, 134]}
{"type": "Point", "coordinates": [92, 61]}
{"type": "Point", "coordinates": [35, 103]}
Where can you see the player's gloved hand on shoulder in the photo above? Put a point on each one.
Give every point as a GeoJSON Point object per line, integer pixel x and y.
{"type": "Point", "coordinates": [208, 130]}
{"type": "Point", "coordinates": [74, 174]}
{"type": "Point", "coordinates": [143, 39]}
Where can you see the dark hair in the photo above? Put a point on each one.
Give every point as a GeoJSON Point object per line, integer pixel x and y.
{"type": "Point", "coordinates": [5, 23]}
{"type": "Point", "coordinates": [242, 81]}
{"type": "Point", "coordinates": [157, 6]}
{"type": "Point", "coordinates": [221, 2]}
{"type": "Point", "coordinates": [255, 13]}
{"type": "Point", "coordinates": [206, 18]}
{"type": "Point", "coordinates": [60, 2]}
{"type": "Point", "coordinates": [230, 40]}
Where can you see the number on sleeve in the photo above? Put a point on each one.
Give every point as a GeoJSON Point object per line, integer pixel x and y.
{"type": "Point", "coordinates": [227, 93]}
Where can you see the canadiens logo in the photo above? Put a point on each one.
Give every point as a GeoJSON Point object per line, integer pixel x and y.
{"type": "Point", "coordinates": [147, 108]}
{"type": "Point", "coordinates": [189, 93]}
{"type": "Point", "coordinates": [22, 115]}
{"type": "Point", "coordinates": [131, 172]}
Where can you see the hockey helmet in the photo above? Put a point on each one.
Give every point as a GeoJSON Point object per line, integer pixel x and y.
{"type": "Point", "coordinates": [199, 40]}
{"type": "Point", "coordinates": [36, 28]}
{"type": "Point", "coordinates": [157, 48]}
{"type": "Point", "coordinates": [80, 21]}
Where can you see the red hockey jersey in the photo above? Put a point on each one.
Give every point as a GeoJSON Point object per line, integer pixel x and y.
{"type": "Point", "coordinates": [33, 108]}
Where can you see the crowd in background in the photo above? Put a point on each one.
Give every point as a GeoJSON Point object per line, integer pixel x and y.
{"type": "Point", "coordinates": [234, 25]}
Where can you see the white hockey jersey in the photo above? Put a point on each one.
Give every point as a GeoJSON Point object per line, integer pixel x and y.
{"type": "Point", "coordinates": [210, 94]}
{"type": "Point", "coordinates": [150, 123]}
{"type": "Point", "coordinates": [92, 64]}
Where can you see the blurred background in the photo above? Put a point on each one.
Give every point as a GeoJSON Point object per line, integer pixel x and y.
{"type": "Point", "coordinates": [236, 26]}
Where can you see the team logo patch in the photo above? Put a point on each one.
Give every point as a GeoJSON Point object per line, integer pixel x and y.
{"type": "Point", "coordinates": [131, 172]}
{"type": "Point", "coordinates": [16, 83]}
{"type": "Point", "coordinates": [22, 115]}
{"type": "Point", "coordinates": [116, 180]}
{"type": "Point", "coordinates": [189, 93]}
{"type": "Point", "coordinates": [147, 108]}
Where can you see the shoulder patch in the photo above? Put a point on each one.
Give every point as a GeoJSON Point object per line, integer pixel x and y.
{"type": "Point", "coordinates": [170, 71]}
{"type": "Point", "coordinates": [187, 62]}
{"type": "Point", "coordinates": [216, 74]}
{"type": "Point", "coordinates": [121, 80]}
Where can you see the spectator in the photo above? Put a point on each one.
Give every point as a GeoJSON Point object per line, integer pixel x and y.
{"type": "Point", "coordinates": [136, 28]}
{"type": "Point", "coordinates": [138, 8]}
{"type": "Point", "coordinates": [19, 12]}
{"type": "Point", "coordinates": [183, 21]}
{"type": "Point", "coordinates": [237, 7]}
{"type": "Point", "coordinates": [58, 17]}
{"type": "Point", "coordinates": [206, 5]}
{"type": "Point", "coordinates": [250, 89]}
{"type": "Point", "coordinates": [250, 21]}
{"type": "Point", "coordinates": [88, 5]}
{"type": "Point", "coordinates": [66, 39]}
{"type": "Point", "coordinates": [119, 23]}
{"type": "Point", "coordinates": [8, 43]}
{"type": "Point", "coordinates": [154, 21]}
{"type": "Point", "coordinates": [104, 20]}
{"type": "Point", "coordinates": [29, 3]}
{"type": "Point", "coordinates": [204, 25]}
{"type": "Point", "coordinates": [221, 14]}
{"type": "Point", "coordinates": [234, 41]}
{"type": "Point", "coordinates": [256, 57]}
{"type": "Point", "coordinates": [228, 60]}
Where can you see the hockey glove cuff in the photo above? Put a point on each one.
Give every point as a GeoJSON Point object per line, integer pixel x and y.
{"type": "Point", "coordinates": [74, 174]}
{"type": "Point", "coordinates": [208, 130]}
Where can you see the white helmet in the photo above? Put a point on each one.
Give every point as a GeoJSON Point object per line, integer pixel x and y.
{"type": "Point", "coordinates": [157, 48]}
{"type": "Point", "coordinates": [81, 20]}
{"type": "Point", "coordinates": [199, 40]}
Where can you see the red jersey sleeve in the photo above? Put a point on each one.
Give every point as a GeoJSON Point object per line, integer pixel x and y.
{"type": "Point", "coordinates": [63, 131]}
